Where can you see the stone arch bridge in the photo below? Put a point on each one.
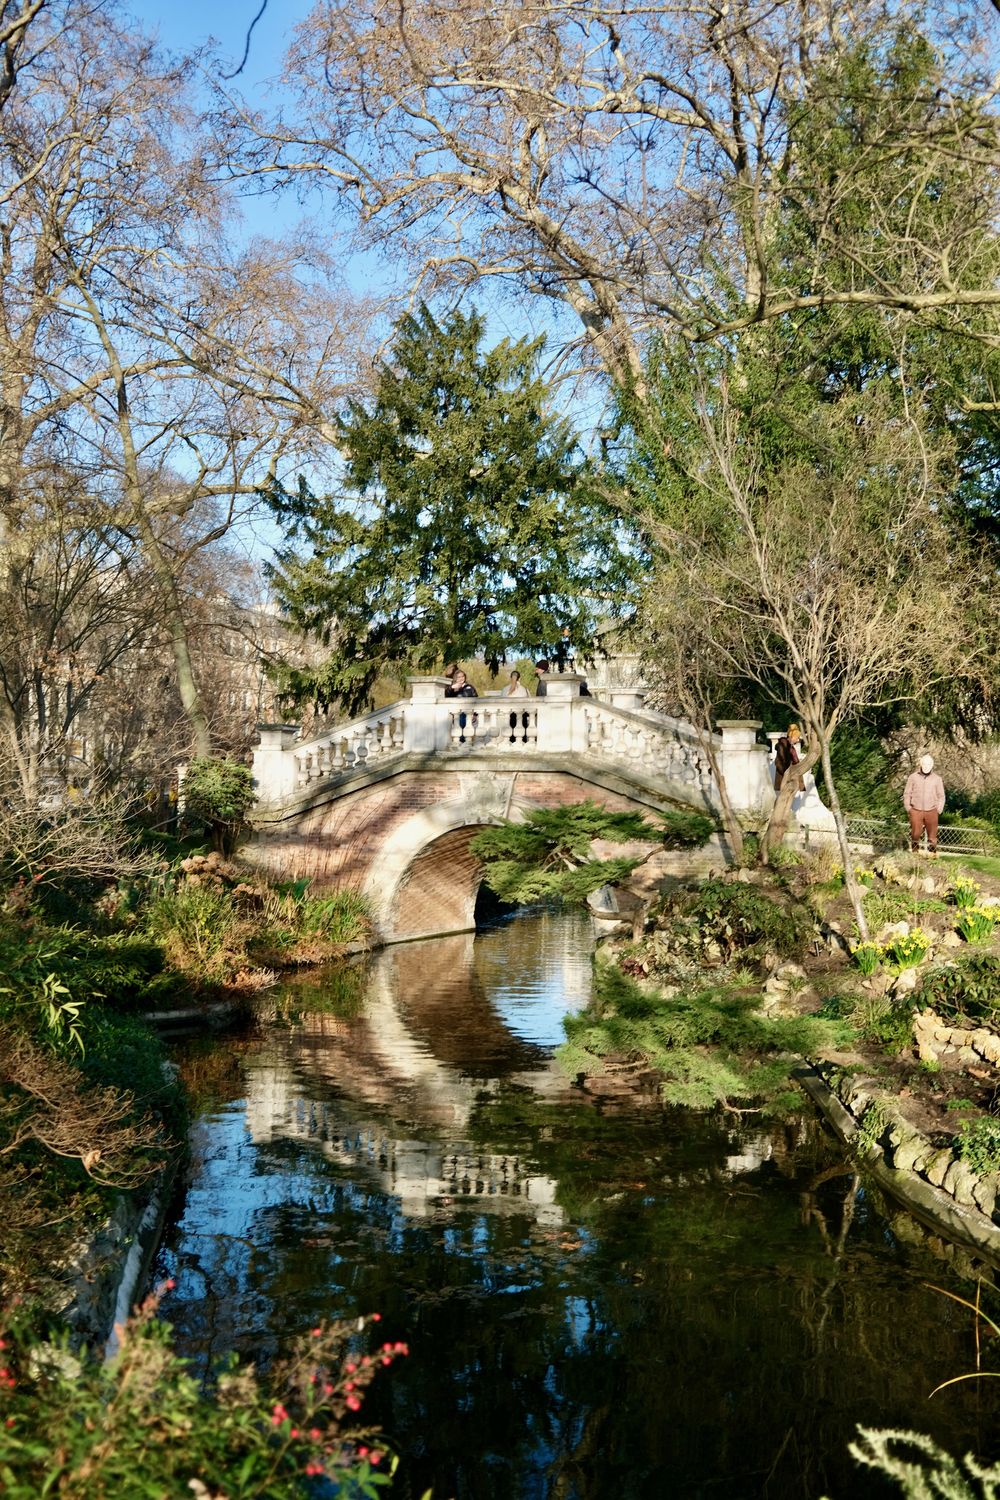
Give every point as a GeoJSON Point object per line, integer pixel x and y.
{"type": "Point", "coordinates": [391, 801]}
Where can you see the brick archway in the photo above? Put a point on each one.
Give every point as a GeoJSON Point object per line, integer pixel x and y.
{"type": "Point", "coordinates": [438, 892]}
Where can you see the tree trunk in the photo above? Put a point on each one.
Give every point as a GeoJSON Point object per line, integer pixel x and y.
{"type": "Point", "coordinates": [777, 824]}
{"type": "Point", "coordinates": [851, 885]}
{"type": "Point", "coordinates": [730, 822]}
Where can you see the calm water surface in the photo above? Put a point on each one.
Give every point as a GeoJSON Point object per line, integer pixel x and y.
{"type": "Point", "coordinates": [602, 1300]}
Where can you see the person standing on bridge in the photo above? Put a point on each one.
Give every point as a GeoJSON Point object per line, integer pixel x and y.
{"type": "Point", "coordinates": [541, 668]}
{"type": "Point", "coordinates": [787, 753]}
{"type": "Point", "coordinates": [461, 687]}
{"type": "Point", "coordinates": [516, 689]}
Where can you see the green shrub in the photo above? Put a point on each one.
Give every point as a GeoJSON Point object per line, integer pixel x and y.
{"type": "Point", "coordinates": [218, 793]}
{"type": "Point", "coordinates": [142, 1424]}
{"type": "Point", "coordinates": [739, 916]}
{"type": "Point", "coordinates": [967, 989]}
{"type": "Point", "coordinates": [978, 1143]}
{"type": "Point", "coordinates": [710, 1047]}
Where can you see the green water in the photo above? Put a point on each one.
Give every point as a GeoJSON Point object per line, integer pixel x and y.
{"type": "Point", "coordinates": [603, 1300]}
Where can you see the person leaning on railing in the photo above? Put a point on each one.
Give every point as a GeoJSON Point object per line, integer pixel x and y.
{"type": "Point", "coordinates": [923, 799]}
{"type": "Point", "coordinates": [461, 687]}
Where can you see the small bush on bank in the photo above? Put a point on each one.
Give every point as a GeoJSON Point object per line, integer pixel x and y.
{"type": "Point", "coordinates": [739, 916]}
{"type": "Point", "coordinates": [978, 1143]}
{"type": "Point", "coordinates": [967, 990]}
{"type": "Point", "coordinates": [143, 1425]}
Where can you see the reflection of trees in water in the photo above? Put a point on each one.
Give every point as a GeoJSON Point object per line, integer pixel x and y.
{"type": "Point", "coordinates": [717, 1312]}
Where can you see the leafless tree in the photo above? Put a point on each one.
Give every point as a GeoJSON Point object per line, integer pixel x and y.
{"type": "Point", "coordinates": [143, 338]}
{"type": "Point", "coordinates": [834, 576]}
{"type": "Point", "coordinates": [633, 161]}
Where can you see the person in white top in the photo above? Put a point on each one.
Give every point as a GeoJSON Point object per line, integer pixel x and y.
{"type": "Point", "coordinates": [516, 689]}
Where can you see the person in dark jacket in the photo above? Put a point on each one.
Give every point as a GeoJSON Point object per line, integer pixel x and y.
{"type": "Point", "coordinates": [541, 670]}
{"type": "Point", "coordinates": [787, 753]}
{"type": "Point", "coordinates": [461, 687]}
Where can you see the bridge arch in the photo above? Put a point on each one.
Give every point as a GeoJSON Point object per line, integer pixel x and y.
{"type": "Point", "coordinates": [424, 880]}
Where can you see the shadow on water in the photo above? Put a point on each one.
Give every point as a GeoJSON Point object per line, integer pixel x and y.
{"type": "Point", "coordinates": [638, 1303]}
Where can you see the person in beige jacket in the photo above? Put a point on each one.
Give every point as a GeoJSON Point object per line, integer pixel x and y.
{"type": "Point", "coordinates": [924, 803]}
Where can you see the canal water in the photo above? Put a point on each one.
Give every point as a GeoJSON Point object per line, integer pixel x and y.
{"type": "Point", "coordinates": [603, 1300]}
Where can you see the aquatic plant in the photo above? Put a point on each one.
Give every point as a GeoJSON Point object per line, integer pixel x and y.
{"type": "Point", "coordinates": [143, 1424]}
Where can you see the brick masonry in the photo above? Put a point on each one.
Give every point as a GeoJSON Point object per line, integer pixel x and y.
{"type": "Point", "coordinates": [336, 841]}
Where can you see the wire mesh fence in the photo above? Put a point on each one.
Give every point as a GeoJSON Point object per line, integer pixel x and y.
{"type": "Point", "coordinates": [882, 835]}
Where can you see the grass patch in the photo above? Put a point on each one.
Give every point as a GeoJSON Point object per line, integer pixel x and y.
{"type": "Point", "coordinates": [710, 1047]}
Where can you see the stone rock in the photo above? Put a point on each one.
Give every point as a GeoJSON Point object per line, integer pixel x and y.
{"type": "Point", "coordinates": [990, 1048]}
{"type": "Point", "coordinates": [907, 1153]}
{"type": "Point", "coordinates": [929, 885]}
{"type": "Point", "coordinates": [960, 1181]}
{"type": "Point", "coordinates": [892, 930]}
{"type": "Point", "coordinates": [950, 939]}
{"type": "Point", "coordinates": [937, 1167]}
{"type": "Point", "coordinates": [985, 1194]}
{"type": "Point", "coordinates": [791, 971]}
{"type": "Point", "coordinates": [967, 1057]}
{"type": "Point", "coordinates": [905, 982]}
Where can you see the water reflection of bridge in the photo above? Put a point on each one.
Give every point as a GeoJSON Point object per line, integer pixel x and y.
{"type": "Point", "coordinates": [402, 1080]}
{"type": "Point", "coordinates": [389, 1094]}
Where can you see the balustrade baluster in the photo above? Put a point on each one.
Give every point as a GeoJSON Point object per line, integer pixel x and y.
{"type": "Point", "coordinates": [337, 755]}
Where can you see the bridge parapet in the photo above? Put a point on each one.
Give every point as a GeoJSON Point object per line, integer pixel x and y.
{"type": "Point", "coordinates": [430, 726]}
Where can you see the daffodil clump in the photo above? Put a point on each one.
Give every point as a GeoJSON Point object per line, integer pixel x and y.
{"type": "Point", "coordinates": [867, 956]}
{"type": "Point", "coordinates": [965, 891]}
{"type": "Point", "coordinates": [976, 923]}
{"type": "Point", "coordinates": [909, 949]}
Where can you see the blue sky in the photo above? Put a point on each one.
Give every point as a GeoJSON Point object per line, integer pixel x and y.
{"type": "Point", "coordinates": [185, 25]}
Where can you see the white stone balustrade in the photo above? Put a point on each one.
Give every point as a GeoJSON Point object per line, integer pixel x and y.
{"type": "Point", "coordinates": [620, 733]}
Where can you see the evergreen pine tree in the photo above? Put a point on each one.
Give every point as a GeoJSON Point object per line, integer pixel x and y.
{"type": "Point", "coordinates": [468, 524]}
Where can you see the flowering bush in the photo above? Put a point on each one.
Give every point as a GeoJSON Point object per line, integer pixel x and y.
{"type": "Point", "coordinates": [864, 877]}
{"type": "Point", "coordinates": [965, 891]}
{"type": "Point", "coordinates": [976, 923]}
{"type": "Point", "coordinates": [142, 1424]}
{"type": "Point", "coordinates": [907, 950]}
{"type": "Point", "coordinates": [867, 956]}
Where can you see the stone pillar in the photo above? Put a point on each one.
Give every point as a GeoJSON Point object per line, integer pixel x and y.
{"type": "Point", "coordinates": [745, 766]}
{"type": "Point", "coordinates": [274, 763]}
{"type": "Point", "coordinates": [425, 720]}
{"type": "Point", "coordinates": [629, 698]}
{"type": "Point", "coordinates": [556, 713]}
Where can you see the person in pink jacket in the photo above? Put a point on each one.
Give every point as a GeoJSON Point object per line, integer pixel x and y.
{"type": "Point", "coordinates": [924, 803]}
